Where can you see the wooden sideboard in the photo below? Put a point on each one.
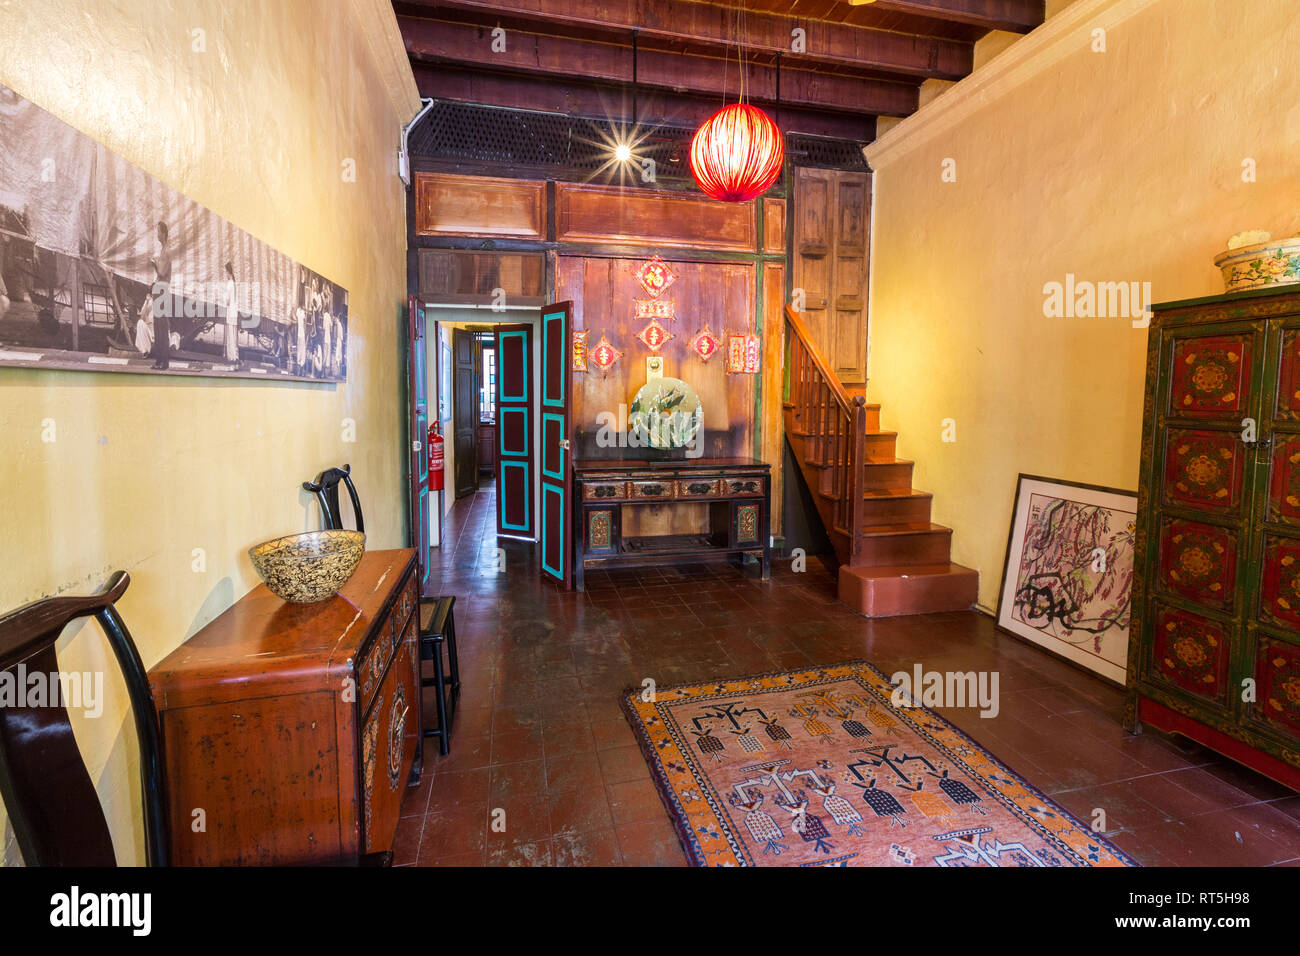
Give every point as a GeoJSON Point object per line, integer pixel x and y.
{"type": "Point", "coordinates": [735, 493]}
{"type": "Point", "coordinates": [291, 731]}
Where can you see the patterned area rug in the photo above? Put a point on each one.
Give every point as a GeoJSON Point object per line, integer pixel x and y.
{"type": "Point", "coordinates": [817, 768]}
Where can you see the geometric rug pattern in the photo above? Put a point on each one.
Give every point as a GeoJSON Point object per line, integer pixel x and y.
{"type": "Point", "coordinates": [820, 767]}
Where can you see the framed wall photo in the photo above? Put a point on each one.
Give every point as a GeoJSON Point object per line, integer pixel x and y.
{"type": "Point", "coordinates": [1068, 579]}
{"type": "Point", "coordinates": [105, 268]}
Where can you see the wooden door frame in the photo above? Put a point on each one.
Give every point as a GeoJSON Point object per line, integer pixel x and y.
{"type": "Point", "coordinates": [417, 450]}
{"type": "Point", "coordinates": [525, 315]}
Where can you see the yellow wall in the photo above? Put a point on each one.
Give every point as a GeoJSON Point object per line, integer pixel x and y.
{"type": "Point", "coordinates": [145, 469]}
{"type": "Point", "coordinates": [1117, 166]}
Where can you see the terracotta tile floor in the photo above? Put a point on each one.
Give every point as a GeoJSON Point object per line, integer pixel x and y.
{"type": "Point", "coordinates": [541, 743]}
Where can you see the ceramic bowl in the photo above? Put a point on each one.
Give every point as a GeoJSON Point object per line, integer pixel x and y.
{"type": "Point", "coordinates": [306, 568]}
{"type": "Point", "coordinates": [1276, 262]}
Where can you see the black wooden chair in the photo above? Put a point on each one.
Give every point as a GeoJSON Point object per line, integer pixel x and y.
{"type": "Point", "coordinates": [437, 617]}
{"type": "Point", "coordinates": [49, 796]}
{"type": "Point", "coordinates": [326, 490]}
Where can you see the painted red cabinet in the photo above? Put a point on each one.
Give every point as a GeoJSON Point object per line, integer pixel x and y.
{"type": "Point", "coordinates": [1214, 651]}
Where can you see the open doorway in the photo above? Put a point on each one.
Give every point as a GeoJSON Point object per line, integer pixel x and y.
{"type": "Point", "coordinates": [483, 371]}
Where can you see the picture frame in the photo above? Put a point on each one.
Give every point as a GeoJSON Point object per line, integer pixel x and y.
{"type": "Point", "coordinates": [1067, 577]}
{"type": "Point", "coordinates": [106, 268]}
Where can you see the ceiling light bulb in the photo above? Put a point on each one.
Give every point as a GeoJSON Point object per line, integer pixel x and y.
{"type": "Point", "coordinates": [623, 153]}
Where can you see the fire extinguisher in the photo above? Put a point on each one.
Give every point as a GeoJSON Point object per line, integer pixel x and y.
{"type": "Point", "coordinates": [435, 456]}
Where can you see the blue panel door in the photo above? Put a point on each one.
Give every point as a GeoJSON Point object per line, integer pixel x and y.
{"type": "Point", "coordinates": [555, 464]}
{"type": "Point", "coordinates": [514, 401]}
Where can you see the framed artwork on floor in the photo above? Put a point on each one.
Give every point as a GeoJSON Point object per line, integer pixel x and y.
{"type": "Point", "coordinates": [1068, 579]}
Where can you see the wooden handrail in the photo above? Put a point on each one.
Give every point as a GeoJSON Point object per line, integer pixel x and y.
{"type": "Point", "coordinates": [796, 322]}
{"type": "Point", "coordinates": [836, 429]}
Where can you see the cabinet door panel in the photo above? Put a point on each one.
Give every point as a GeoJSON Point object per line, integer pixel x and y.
{"type": "Point", "coordinates": [388, 749]}
{"type": "Point", "coordinates": [1190, 652]}
{"type": "Point", "coordinates": [1287, 407]}
{"type": "Point", "coordinates": [1199, 562]}
{"type": "Point", "coordinates": [1204, 470]}
{"type": "Point", "coordinates": [1277, 682]}
{"type": "Point", "coordinates": [1279, 591]}
{"type": "Point", "coordinates": [1284, 481]}
{"type": "Point", "coordinates": [1211, 377]}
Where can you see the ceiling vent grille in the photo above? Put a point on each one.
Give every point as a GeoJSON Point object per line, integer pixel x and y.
{"type": "Point", "coordinates": [823, 152]}
{"type": "Point", "coordinates": [571, 147]}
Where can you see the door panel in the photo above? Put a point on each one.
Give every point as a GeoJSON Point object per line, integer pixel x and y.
{"type": "Point", "coordinates": [1277, 678]}
{"type": "Point", "coordinates": [1208, 476]}
{"type": "Point", "coordinates": [1288, 380]}
{"type": "Point", "coordinates": [1204, 470]}
{"type": "Point", "coordinates": [514, 398]}
{"type": "Point", "coordinates": [465, 411]}
{"type": "Point", "coordinates": [832, 216]}
{"type": "Point", "coordinates": [1191, 652]}
{"type": "Point", "coordinates": [814, 248]}
{"type": "Point", "coordinates": [556, 465]}
{"type": "Point", "coordinates": [1271, 648]}
{"type": "Point", "coordinates": [1198, 562]}
{"type": "Point", "coordinates": [418, 467]}
{"type": "Point", "coordinates": [1211, 377]}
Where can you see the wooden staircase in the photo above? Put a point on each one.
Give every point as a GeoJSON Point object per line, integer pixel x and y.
{"type": "Point", "coordinates": [893, 558]}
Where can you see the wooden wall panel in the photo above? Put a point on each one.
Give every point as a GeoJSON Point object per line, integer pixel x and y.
{"type": "Point", "coordinates": [773, 424]}
{"type": "Point", "coordinates": [813, 247]}
{"type": "Point", "coordinates": [645, 217]}
{"type": "Point", "coordinates": [831, 255]}
{"type": "Point", "coordinates": [448, 274]}
{"type": "Point", "coordinates": [719, 293]}
{"type": "Point", "coordinates": [774, 226]}
{"type": "Point", "coordinates": [450, 205]}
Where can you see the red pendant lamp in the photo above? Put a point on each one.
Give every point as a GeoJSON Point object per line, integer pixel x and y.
{"type": "Point", "coordinates": [738, 153]}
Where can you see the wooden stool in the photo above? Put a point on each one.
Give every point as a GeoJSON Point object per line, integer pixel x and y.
{"type": "Point", "coordinates": [438, 627]}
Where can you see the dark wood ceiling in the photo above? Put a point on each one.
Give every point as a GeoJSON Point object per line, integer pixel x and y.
{"type": "Point", "coordinates": [861, 61]}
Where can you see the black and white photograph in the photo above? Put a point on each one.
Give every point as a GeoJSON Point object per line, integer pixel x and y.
{"type": "Point", "coordinates": [104, 267]}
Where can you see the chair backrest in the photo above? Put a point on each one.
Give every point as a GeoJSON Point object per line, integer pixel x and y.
{"type": "Point", "coordinates": [49, 796]}
{"type": "Point", "coordinates": [326, 490]}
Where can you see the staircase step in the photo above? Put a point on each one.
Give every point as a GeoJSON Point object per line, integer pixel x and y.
{"type": "Point", "coordinates": [886, 508]}
{"type": "Point", "coordinates": [891, 591]}
{"type": "Point", "coordinates": [893, 475]}
{"type": "Point", "coordinates": [879, 446]}
{"type": "Point", "coordinates": [901, 545]}
{"type": "Point", "coordinates": [793, 422]}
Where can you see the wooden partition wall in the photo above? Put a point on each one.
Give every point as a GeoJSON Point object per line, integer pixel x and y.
{"type": "Point", "coordinates": [718, 294]}
{"type": "Point", "coordinates": [730, 262]}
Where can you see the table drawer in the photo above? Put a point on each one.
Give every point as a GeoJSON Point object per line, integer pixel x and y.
{"type": "Point", "coordinates": [603, 490]}
{"type": "Point", "coordinates": [407, 599]}
{"type": "Point", "coordinates": [659, 488]}
{"type": "Point", "coordinates": [745, 486]}
{"type": "Point", "coordinates": [700, 488]}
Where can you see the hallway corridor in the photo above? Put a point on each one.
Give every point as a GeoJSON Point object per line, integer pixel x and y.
{"type": "Point", "coordinates": [540, 734]}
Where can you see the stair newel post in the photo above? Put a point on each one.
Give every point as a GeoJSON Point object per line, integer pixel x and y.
{"type": "Point", "coordinates": [857, 478]}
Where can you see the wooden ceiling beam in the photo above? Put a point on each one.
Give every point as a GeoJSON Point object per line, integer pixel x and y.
{"type": "Point", "coordinates": [471, 47]}
{"type": "Point", "coordinates": [1014, 16]}
{"type": "Point", "coordinates": [711, 28]}
{"type": "Point", "coordinates": [613, 103]}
